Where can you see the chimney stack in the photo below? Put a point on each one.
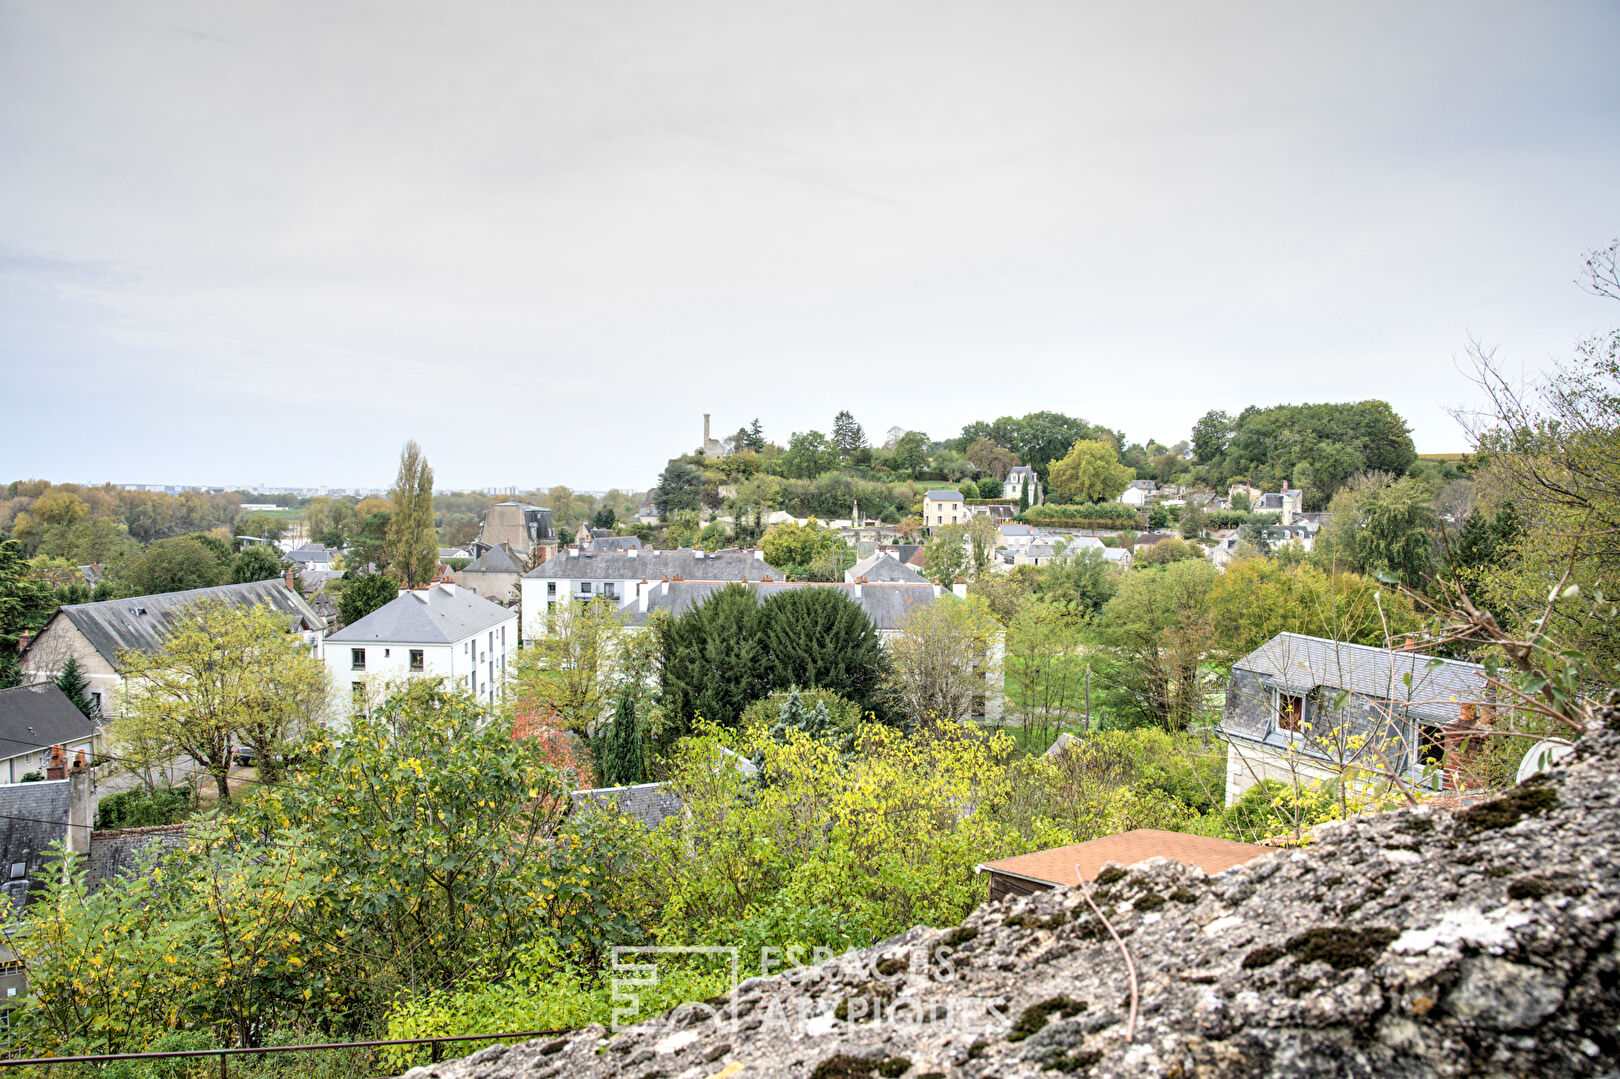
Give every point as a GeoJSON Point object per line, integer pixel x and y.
{"type": "Point", "coordinates": [81, 802]}
{"type": "Point", "coordinates": [57, 768]}
{"type": "Point", "coordinates": [959, 588]}
{"type": "Point", "coordinates": [705, 430]}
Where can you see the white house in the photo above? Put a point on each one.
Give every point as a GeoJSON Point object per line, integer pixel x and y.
{"type": "Point", "coordinates": [1138, 493]}
{"type": "Point", "coordinates": [622, 576]}
{"type": "Point", "coordinates": [944, 507]}
{"type": "Point", "coordinates": [439, 631]}
{"type": "Point", "coordinates": [1021, 479]}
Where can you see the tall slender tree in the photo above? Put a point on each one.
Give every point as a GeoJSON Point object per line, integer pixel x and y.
{"type": "Point", "coordinates": [620, 758]}
{"type": "Point", "coordinates": [76, 688]}
{"type": "Point", "coordinates": [847, 434]}
{"type": "Point", "coordinates": [413, 547]}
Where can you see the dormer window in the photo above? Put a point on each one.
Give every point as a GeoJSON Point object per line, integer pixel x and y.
{"type": "Point", "coordinates": [1290, 711]}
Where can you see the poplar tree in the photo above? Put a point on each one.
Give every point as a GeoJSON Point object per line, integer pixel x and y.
{"type": "Point", "coordinates": [620, 759]}
{"type": "Point", "coordinates": [413, 547]}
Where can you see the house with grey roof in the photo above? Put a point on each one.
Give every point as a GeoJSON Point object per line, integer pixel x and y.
{"type": "Point", "coordinates": [621, 576]}
{"type": "Point", "coordinates": [494, 575]}
{"type": "Point", "coordinates": [525, 530]}
{"type": "Point", "coordinates": [944, 507]}
{"type": "Point", "coordinates": [1305, 710]}
{"type": "Point", "coordinates": [33, 718]}
{"type": "Point", "coordinates": [441, 631]}
{"type": "Point", "coordinates": [883, 564]}
{"type": "Point", "coordinates": [95, 633]}
{"type": "Point", "coordinates": [1138, 493]}
{"type": "Point", "coordinates": [1021, 479]}
{"type": "Point", "coordinates": [312, 556]}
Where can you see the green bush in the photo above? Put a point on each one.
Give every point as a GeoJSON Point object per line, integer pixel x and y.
{"type": "Point", "coordinates": [1084, 515]}
{"type": "Point", "coordinates": [142, 808]}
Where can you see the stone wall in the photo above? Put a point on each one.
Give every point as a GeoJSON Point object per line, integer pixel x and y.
{"type": "Point", "coordinates": [1417, 943]}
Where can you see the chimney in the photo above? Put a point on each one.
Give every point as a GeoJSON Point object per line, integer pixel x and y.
{"type": "Point", "coordinates": [56, 769]}
{"type": "Point", "coordinates": [641, 600]}
{"type": "Point", "coordinates": [759, 553]}
{"type": "Point", "coordinates": [959, 588]}
{"type": "Point", "coordinates": [573, 552]}
{"type": "Point", "coordinates": [81, 800]}
{"type": "Point", "coordinates": [446, 587]}
{"type": "Point", "coordinates": [697, 552]}
{"type": "Point", "coordinates": [705, 430]}
{"type": "Point", "coordinates": [858, 581]}
{"type": "Point", "coordinates": [289, 575]}
{"type": "Point", "coordinates": [632, 552]}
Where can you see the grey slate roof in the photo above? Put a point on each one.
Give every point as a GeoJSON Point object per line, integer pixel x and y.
{"type": "Point", "coordinates": [32, 817]}
{"type": "Point", "coordinates": [142, 622]}
{"type": "Point", "coordinates": [886, 604]}
{"type": "Point", "coordinates": [615, 543]}
{"type": "Point", "coordinates": [495, 560]}
{"type": "Point", "coordinates": [425, 616]}
{"type": "Point", "coordinates": [1143, 485]}
{"type": "Point", "coordinates": [1041, 550]}
{"type": "Point", "coordinates": [36, 717]}
{"type": "Point", "coordinates": [730, 565]}
{"type": "Point", "coordinates": [1295, 662]}
{"type": "Point", "coordinates": [1020, 470]}
{"type": "Point", "coordinates": [889, 569]}
{"type": "Point", "coordinates": [310, 552]}
{"type": "Point", "coordinates": [945, 496]}
{"type": "Point", "coordinates": [649, 803]}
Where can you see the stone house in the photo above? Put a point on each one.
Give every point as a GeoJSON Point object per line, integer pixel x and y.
{"type": "Point", "coordinates": [623, 575]}
{"type": "Point", "coordinates": [524, 529]}
{"type": "Point", "coordinates": [94, 633]}
{"type": "Point", "coordinates": [1402, 715]}
{"type": "Point", "coordinates": [944, 507]}
{"type": "Point", "coordinates": [493, 575]}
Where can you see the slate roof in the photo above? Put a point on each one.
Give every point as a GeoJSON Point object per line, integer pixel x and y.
{"type": "Point", "coordinates": [1143, 485]}
{"type": "Point", "coordinates": [495, 560]}
{"type": "Point", "coordinates": [1020, 470]}
{"type": "Point", "coordinates": [36, 717]}
{"type": "Point", "coordinates": [731, 565]}
{"type": "Point", "coordinates": [1295, 662]}
{"type": "Point", "coordinates": [1040, 550]}
{"type": "Point", "coordinates": [143, 622]}
{"type": "Point", "coordinates": [945, 496]}
{"type": "Point", "coordinates": [886, 604]}
{"type": "Point", "coordinates": [1017, 530]}
{"type": "Point", "coordinates": [435, 615]}
{"type": "Point", "coordinates": [889, 569]}
{"type": "Point", "coordinates": [649, 803]}
{"type": "Point", "coordinates": [313, 552]}
{"type": "Point", "coordinates": [616, 543]}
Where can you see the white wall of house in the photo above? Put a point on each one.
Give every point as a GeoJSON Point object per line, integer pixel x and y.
{"type": "Point", "coordinates": [938, 512]}
{"type": "Point", "coordinates": [1134, 496]}
{"type": "Point", "coordinates": [480, 662]}
{"type": "Point", "coordinates": [1248, 763]}
{"type": "Point", "coordinates": [12, 769]}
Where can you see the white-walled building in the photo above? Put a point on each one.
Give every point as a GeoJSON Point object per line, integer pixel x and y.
{"type": "Point", "coordinates": [440, 631]}
{"type": "Point", "coordinates": [622, 576]}
{"type": "Point", "coordinates": [1020, 479]}
{"type": "Point", "coordinates": [1138, 493]}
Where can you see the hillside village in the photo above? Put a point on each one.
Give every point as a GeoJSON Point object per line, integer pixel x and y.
{"type": "Point", "coordinates": [445, 752]}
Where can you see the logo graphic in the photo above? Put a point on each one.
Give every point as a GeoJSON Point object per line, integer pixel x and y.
{"type": "Point", "coordinates": [635, 970]}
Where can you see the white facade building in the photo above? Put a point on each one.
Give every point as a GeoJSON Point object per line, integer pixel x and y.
{"type": "Point", "coordinates": [944, 507]}
{"type": "Point", "coordinates": [440, 631]}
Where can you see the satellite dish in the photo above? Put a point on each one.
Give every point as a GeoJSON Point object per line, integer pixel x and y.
{"type": "Point", "coordinates": [1542, 756]}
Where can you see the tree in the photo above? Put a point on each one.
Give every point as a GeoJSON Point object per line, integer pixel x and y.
{"type": "Point", "coordinates": [605, 517]}
{"type": "Point", "coordinates": [679, 489]}
{"type": "Point", "coordinates": [911, 452]}
{"type": "Point", "coordinates": [756, 436]}
{"type": "Point", "coordinates": [1045, 670]}
{"type": "Point", "coordinates": [991, 459]}
{"type": "Point", "coordinates": [712, 662]}
{"type": "Point", "coordinates": [1209, 436]}
{"type": "Point", "coordinates": [413, 546]}
{"type": "Point", "coordinates": [568, 669]}
{"type": "Point", "coordinates": [968, 489]}
{"type": "Point", "coordinates": [946, 556]}
{"type": "Point", "coordinates": [1091, 472]}
{"type": "Point", "coordinates": [1256, 599]}
{"type": "Point", "coordinates": [944, 661]}
{"type": "Point", "coordinates": [982, 536]}
{"type": "Point", "coordinates": [793, 548]}
{"type": "Point", "coordinates": [808, 455]}
{"type": "Point", "coordinates": [76, 688]}
{"type": "Point", "coordinates": [25, 606]}
{"type": "Point", "coordinates": [255, 563]}
{"type": "Point", "coordinates": [819, 638]}
{"type": "Point", "coordinates": [847, 435]}
{"type": "Point", "coordinates": [1167, 551]}
{"type": "Point", "coordinates": [1381, 528]}
{"type": "Point", "coordinates": [224, 674]}
{"type": "Point", "coordinates": [621, 758]}
{"type": "Point", "coordinates": [1158, 629]}
{"type": "Point", "coordinates": [176, 565]}
{"type": "Point", "coordinates": [363, 593]}
{"type": "Point", "coordinates": [1081, 581]}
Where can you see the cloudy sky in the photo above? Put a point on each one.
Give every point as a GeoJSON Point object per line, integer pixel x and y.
{"type": "Point", "coordinates": [267, 242]}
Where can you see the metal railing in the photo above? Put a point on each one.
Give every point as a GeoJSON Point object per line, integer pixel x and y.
{"type": "Point", "coordinates": [225, 1055]}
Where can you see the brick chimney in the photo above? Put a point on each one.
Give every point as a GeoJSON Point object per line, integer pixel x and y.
{"type": "Point", "coordinates": [56, 769]}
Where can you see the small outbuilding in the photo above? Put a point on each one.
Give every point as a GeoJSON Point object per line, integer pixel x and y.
{"type": "Point", "coordinates": [1044, 870]}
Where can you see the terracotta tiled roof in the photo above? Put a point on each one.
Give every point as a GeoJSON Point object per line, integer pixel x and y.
{"type": "Point", "coordinates": [1056, 866]}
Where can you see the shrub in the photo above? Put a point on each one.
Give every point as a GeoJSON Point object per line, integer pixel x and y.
{"type": "Point", "coordinates": [141, 808]}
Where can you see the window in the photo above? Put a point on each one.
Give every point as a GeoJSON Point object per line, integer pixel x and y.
{"type": "Point", "coordinates": [95, 701]}
{"type": "Point", "coordinates": [492, 638]}
{"type": "Point", "coordinates": [585, 588]}
{"type": "Point", "coordinates": [416, 659]}
{"type": "Point", "coordinates": [357, 659]}
{"type": "Point", "coordinates": [1290, 711]}
{"type": "Point", "coordinates": [551, 588]}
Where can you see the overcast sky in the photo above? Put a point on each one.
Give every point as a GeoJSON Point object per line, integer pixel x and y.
{"type": "Point", "coordinates": [268, 242]}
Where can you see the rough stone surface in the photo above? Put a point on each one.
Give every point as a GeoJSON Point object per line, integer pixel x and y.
{"type": "Point", "coordinates": [1416, 943]}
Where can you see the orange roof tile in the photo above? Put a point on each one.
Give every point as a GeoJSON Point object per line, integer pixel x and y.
{"type": "Point", "coordinates": [1056, 866]}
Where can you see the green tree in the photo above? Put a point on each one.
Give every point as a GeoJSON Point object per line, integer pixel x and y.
{"type": "Point", "coordinates": [992, 460]}
{"type": "Point", "coordinates": [605, 517]}
{"type": "Point", "coordinates": [793, 548]}
{"type": "Point", "coordinates": [76, 688]}
{"type": "Point", "coordinates": [1091, 472]}
{"type": "Point", "coordinates": [1082, 581]}
{"type": "Point", "coordinates": [679, 489]}
{"type": "Point", "coordinates": [175, 565]}
{"type": "Point", "coordinates": [808, 455]}
{"type": "Point", "coordinates": [255, 563]}
{"type": "Point", "coordinates": [712, 661]}
{"type": "Point", "coordinates": [1381, 528]}
{"type": "Point", "coordinates": [25, 606]}
{"type": "Point", "coordinates": [1158, 628]}
{"type": "Point", "coordinates": [224, 674]}
{"type": "Point", "coordinates": [567, 669]}
{"type": "Point", "coordinates": [947, 555]}
{"type": "Point", "coordinates": [1209, 436]}
{"type": "Point", "coordinates": [945, 665]}
{"type": "Point", "coordinates": [847, 435]}
{"type": "Point", "coordinates": [413, 546]}
{"type": "Point", "coordinates": [911, 452]}
{"type": "Point", "coordinates": [756, 436]}
{"type": "Point", "coordinates": [819, 638]}
{"type": "Point", "coordinates": [363, 593]}
{"type": "Point", "coordinates": [621, 758]}
{"type": "Point", "coordinates": [1045, 671]}
{"type": "Point", "coordinates": [1256, 599]}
